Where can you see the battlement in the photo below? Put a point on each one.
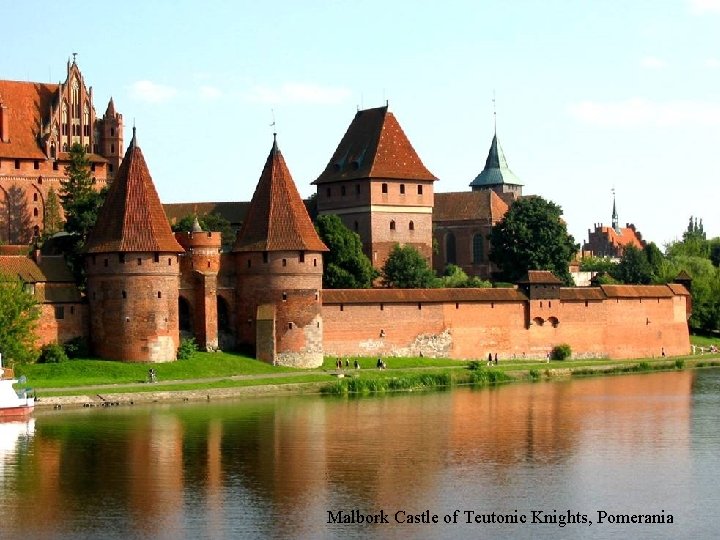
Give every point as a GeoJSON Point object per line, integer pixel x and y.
{"type": "Point", "coordinates": [193, 240]}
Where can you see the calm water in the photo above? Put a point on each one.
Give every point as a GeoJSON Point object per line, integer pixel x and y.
{"type": "Point", "coordinates": [275, 468]}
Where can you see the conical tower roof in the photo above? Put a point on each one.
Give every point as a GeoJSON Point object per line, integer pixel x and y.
{"type": "Point", "coordinates": [277, 219]}
{"type": "Point", "coordinates": [496, 169]}
{"type": "Point", "coordinates": [132, 218]}
{"type": "Point", "coordinates": [374, 146]}
{"type": "Point", "coordinates": [110, 111]}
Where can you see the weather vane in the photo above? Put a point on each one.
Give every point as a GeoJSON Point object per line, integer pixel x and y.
{"type": "Point", "coordinates": [494, 113]}
{"type": "Point", "coordinates": [272, 112]}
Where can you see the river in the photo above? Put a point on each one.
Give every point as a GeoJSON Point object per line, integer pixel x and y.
{"type": "Point", "coordinates": [562, 459]}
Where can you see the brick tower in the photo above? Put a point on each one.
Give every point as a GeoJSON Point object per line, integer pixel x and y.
{"type": "Point", "coordinates": [377, 185]}
{"type": "Point", "coordinates": [133, 272]}
{"type": "Point", "coordinates": [111, 138]}
{"type": "Point", "coordinates": [199, 281]}
{"type": "Point", "coordinates": [278, 257]}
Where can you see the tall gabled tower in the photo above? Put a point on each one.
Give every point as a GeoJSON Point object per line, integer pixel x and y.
{"type": "Point", "coordinates": [110, 131]}
{"type": "Point", "coordinates": [278, 256]}
{"type": "Point", "coordinates": [378, 186]}
{"type": "Point", "coordinates": [133, 272]}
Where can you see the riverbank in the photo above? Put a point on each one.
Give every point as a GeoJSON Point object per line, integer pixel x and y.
{"type": "Point", "coordinates": [346, 381]}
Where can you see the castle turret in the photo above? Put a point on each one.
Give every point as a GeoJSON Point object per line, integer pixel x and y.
{"type": "Point", "coordinates": [497, 176]}
{"type": "Point", "coordinates": [111, 139]}
{"type": "Point", "coordinates": [199, 282]}
{"type": "Point", "coordinates": [278, 257]}
{"type": "Point", "coordinates": [133, 272]}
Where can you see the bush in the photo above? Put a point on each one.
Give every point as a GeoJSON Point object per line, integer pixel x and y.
{"type": "Point", "coordinates": [679, 363]}
{"type": "Point", "coordinates": [473, 365]}
{"type": "Point", "coordinates": [561, 352]}
{"type": "Point", "coordinates": [77, 347]}
{"type": "Point", "coordinates": [187, 348]}
{"type": "Point", "coordinates": [52, 353]}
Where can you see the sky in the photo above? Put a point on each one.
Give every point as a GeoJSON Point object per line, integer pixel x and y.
{"type": "Point", "coordinates": [590, 96]}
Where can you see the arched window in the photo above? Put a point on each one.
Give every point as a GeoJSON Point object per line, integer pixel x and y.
{"type": "Point", "coordinates": [392, 225]}
{"type": "Point", "coordinates": [553, 321]}
{"type": "Point", "coordinates": [477, 248]}
{"type": "Point", "coordinates": [411, 226]}
{"type": "Point", "coordinates": [450, 249]}
{"type": "Point", "coordinates": [538, 321]}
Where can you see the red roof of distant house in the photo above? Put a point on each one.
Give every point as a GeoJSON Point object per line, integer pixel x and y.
{"type": "Point", "coordinates": [277, 219]}
{"type": "Point", "coordinates": [469, 205]}
{"type": "Point", "coordinates": [627, 237]}
{"type": "Point", "coordinates": [374, 146]}
{"type": "Point", "coordinates": [27, 103]}
{"type": "Point", "coordinates": [132, 218]}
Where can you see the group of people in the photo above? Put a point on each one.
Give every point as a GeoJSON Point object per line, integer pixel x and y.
{"type": "Point", "coordinates": [339, 363]}
{"type": "Point", "coordinates": [490, 359]}
{"type": "Point", "coordinates": [381, 363]}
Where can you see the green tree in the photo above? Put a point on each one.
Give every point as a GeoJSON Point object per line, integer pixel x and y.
{"type": "Point", "coordinates": [656, 261]}
{"type": "Point", "coordinates": [53, 220]}
{"type": "Point", "coordinates": [19, 313]}
{"type": "Point", "coordinates": [81, 204]}
{"type": "Point", "coordinates": [532, 236]}
{"type": "Point", "coordinates": [455, 277]}
{"type": "Point", "coordinates": [406, 268]}
{"type": "Point", "coordinates": [211, 223]}
{"type": "Point", "coordinates": [345, 265]}
{"type": "Point", "coordinates": [705, 290]}
{"type": "Point", "coordinates": [633, 267]}
{"type": "Point", "coordinates": [591, 263]}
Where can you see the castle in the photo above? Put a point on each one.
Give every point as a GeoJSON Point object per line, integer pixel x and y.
{"type": "Point", "coordinates": [147, 285]}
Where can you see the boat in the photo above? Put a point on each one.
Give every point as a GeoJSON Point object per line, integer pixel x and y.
{"type": "Point", "coordinates": [13, 404]}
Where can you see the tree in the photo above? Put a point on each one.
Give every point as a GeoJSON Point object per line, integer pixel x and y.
{"type": "Point", "coordinates": [345, 265]}
{"type": "Point", "coordinates": [633, 267]}
{"type": "Point", "coordinates": [591, 263]}
{"type": "Point", "coordinates": [656, 261]}
{"type": "Point", "coordinates": [406, 268]}
{"type": "Point", "coordinates": [19, 313]}
{"type": "Point", "coordinates": [17, 217]}
{"type": "Point", "coordinates": [705, 290]}
{"type": "Point", "coordinates": [53, 220]}
{"type": "Point", "coordinates": [81, 204]}
{"type": "Point", "coordinates": [455, 277]}
{"type": "Point", "coordinates": [532, 236]}
{"type": "Point", "coordinates": [211, 223]}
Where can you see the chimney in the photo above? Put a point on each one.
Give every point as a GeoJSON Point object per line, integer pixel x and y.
{"type": "Point", "coordinates": [4, 124]}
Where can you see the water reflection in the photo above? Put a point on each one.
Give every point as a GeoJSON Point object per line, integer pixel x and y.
{"type": "Point", "coordinates": [274, 467]}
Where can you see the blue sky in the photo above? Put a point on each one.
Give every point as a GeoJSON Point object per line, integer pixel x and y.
{"type": "Point", "coordinates": [590, 95]}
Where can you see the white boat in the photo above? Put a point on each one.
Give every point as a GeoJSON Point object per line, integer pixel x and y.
{"type": "Point", "coordinates": [13, 404]}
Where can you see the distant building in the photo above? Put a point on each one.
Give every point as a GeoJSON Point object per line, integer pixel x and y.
{"type": "Point", "coordinates": [611, 241]}
{"type": "Point", "coordinates": [39, 122]}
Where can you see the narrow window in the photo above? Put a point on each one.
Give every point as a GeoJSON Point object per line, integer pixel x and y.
{"type": "Point", "coordinates": [93, 260]}
{"type": "Point", "coordinates": [357, 189]}
{"type": "Point", "coordinates": [169, 261]}
{"type": "Point", "coordinates": [124, 294]}
{"type": "Point", "coordinates": [112, 148]}
{"type": "Point", "coordinates": [265, 256]}
{"type": "Point", "coordinates": [92, 167]}
{"type": "Point", "coordinates": [384, 188]}
{"type": "Point", "coordinates": [284, 262]}
{"type": "Point", "coordinates": [156, 257]}
{"type": "Point", "coordinates": [105, 262]}
{"type": "Point", "coordinates": [342, 190]}
{"type": "Point", "coordinates": [586, 303]}
{"type": "Point", "coordinates": [302, 256]}
{"type": "Point", "coordinates": [139, 261]}
{"type": "Point", "coordinates": [159, 294]}
{"type": "Point", "coordinates": [110, 167]}
{"type": "Point", "coordinates": [17, 163]}
{"type": "Point", "coordinates": [382, 306]}
{"type": "Point", "coordinates": [72, 310]}
{"type": "Point", "coordinates": [36, 165]}
{"type": "Point", "coordinates": [249, 263]}
{"type": "Point", "coordinates": [35, 212]}
{"type": "Point", "coordinates": [314, 262]}
{"type": "Point", "coordinates": [59, 312]}
{"type": "Point", "coordinates": [342, 307]}
{"type": "Point", "coordinates": [357, 226]}
{"type": "Point", "coordinates": [457, 305]}
{"type": "Point", "coordinates": [392, 224]}
{"type": "Point", "coordinates": [402, 189]}
{"type": "Point", "coordinates": [55, 166]}
{"type": "Point", "coordinates": [122, 258]}
{"type": "Point", "coordinates": [419, 305]}
{"type": "Point", "coordinates": [284, 297]}
{"type": "Point", "coordinates": [411, 226]}
{"type": "Point", "coordinates": [419, 190]}
{"type": "Point", "coordinates": [35, 197]}
{"type": "Point", "coordinates": [290, 326]}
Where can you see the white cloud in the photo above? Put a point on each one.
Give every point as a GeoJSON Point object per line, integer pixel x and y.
{"type": "Point", "coordinates": [653, 62]}
{"type": "Point", "coordinates": [210, 92]}
{"type": "Point", "coordinates": [639, 112]}
{"type": "Point", "coordinates": [294, 93]}
{"type": "Point", "coordinates": [704, 6]}
{"type": "Point", "coordinates": [712, 63]}
{"type": "Point", "coordinates": [152, 92]}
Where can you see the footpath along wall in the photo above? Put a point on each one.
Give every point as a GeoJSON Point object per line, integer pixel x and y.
{"type": "Point", "coordinates": [619, 321]}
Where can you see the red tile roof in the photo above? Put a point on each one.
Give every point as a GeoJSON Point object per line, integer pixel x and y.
{"type": "Point", "coordinates": [568, 294]}
{"type": "Point", "coordinates": [678, 289]}
{"type": "Point", "coordinates": [132, 218]}
{"type": "Point", "coordinates": [637, 291]}
{"type": "Point", "coordinates": [469, 205]}
{"type": "Point", "coordinates": [376, 296]}
{"type": "Point", "coordinates": [541, 277]}
{"type": "Point", "coordinates": [27, 104]}
{"type": "Point", "coordinates": [277, 219]}
{"type": "Point", "coordinates": [51, 269]}
{"type": "Point", "coordinates": [374, 146]}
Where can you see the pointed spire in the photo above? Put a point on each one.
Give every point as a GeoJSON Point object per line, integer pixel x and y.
{"type": "Point", "coordinates": [615, 220]}
{"type": "Point", "coordinates": [110, 111]}
{"type": "Point", "coordinates": [277, 219]}
{"type": "Point", "coordinates": [196, 225]}
{"type": "Point", "coordinates": [132, 218]}
{"type": "Point", "coordinates": [496, 169]}
{"type": "Point", "coordinates": [133, 142]}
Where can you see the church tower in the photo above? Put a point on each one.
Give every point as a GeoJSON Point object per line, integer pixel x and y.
{"type": "Point", "coordinates": [497, 176]}
{"type": "Point", "coordinates": [110, 129]}
{"type": "Point", "coordinates": [278, 257]}
{"type": "Point", "coordinates": [377, 185]}
{"type": "Point", "coordinates": [132, 269]}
